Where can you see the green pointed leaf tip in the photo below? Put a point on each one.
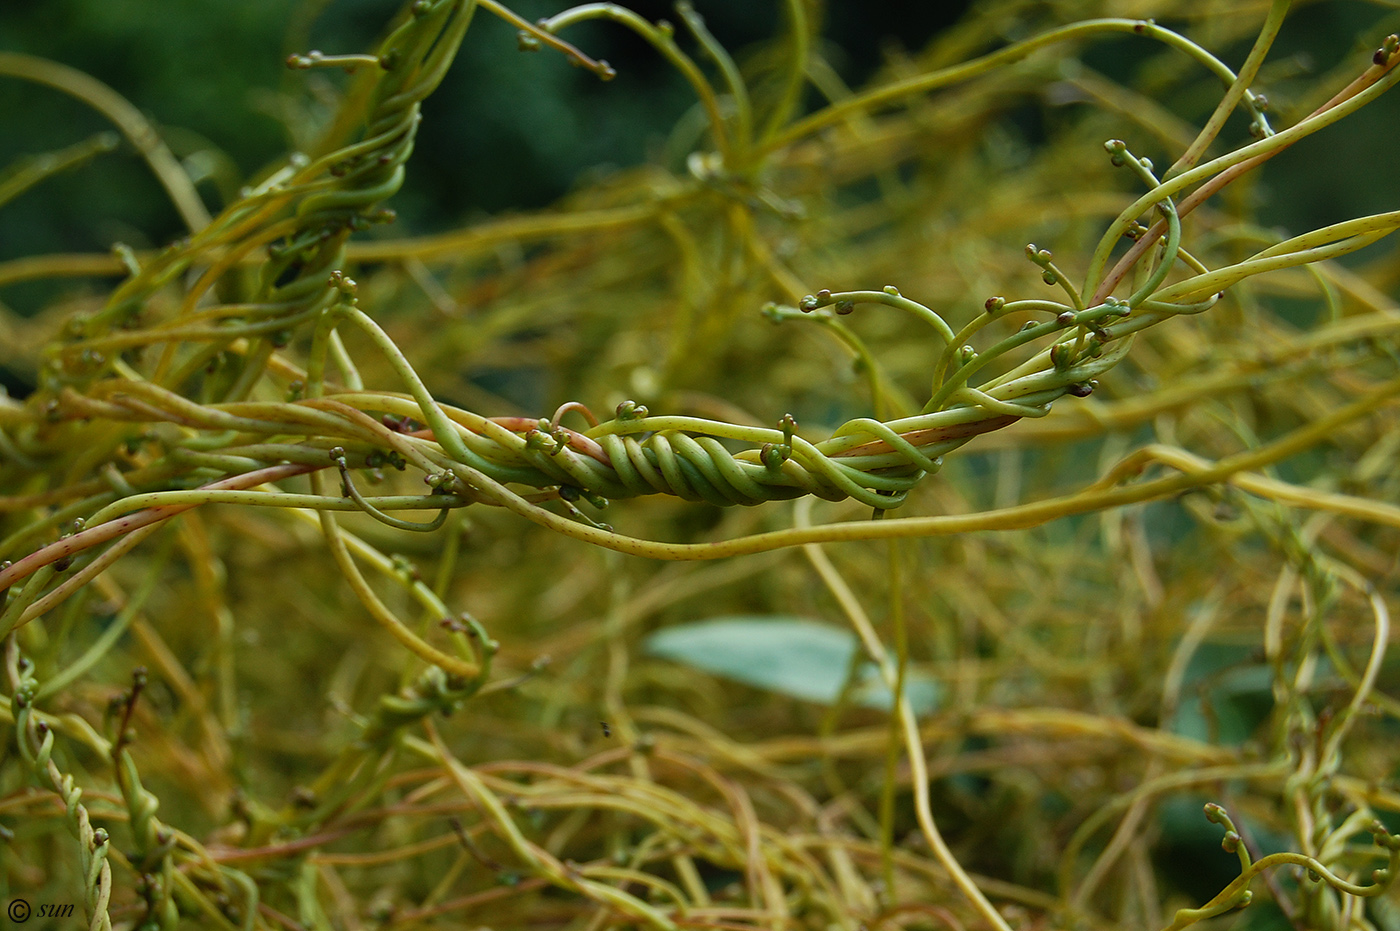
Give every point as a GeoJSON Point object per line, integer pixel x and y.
{"type": "Point", "coordinates": [792, 656]}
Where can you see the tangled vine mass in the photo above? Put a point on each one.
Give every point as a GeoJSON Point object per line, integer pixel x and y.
{"type": "Point", "coordinates": [228, 369]}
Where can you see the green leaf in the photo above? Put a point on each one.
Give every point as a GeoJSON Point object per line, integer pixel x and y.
{"type": "Point", "coordinates": [792, 656]}
{"type": "Point", "coordinates": [1225, 697]}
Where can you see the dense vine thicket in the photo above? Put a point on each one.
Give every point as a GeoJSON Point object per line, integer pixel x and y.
{"type": "Point", "coordinates": [332, 603]}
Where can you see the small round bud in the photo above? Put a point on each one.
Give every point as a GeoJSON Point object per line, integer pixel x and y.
{"type": "Point", "coordinates": [773, 455]}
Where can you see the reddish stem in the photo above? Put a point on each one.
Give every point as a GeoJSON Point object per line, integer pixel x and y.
{"type": "Point", "coordinates": [1207, 190]}
{"type": "Point", "coordinates": [116, 527]}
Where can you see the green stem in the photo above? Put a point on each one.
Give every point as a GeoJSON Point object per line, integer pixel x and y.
{"type": "Point", "coordinates": [1238, 89]}
{"type": "Point", "coordinates": [659, 39]}
{"type": "Point", "coordinates": [924, 83]}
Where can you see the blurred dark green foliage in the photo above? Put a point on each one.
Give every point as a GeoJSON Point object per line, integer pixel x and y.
{"type": "Point", "coordinates": [505, 131]}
